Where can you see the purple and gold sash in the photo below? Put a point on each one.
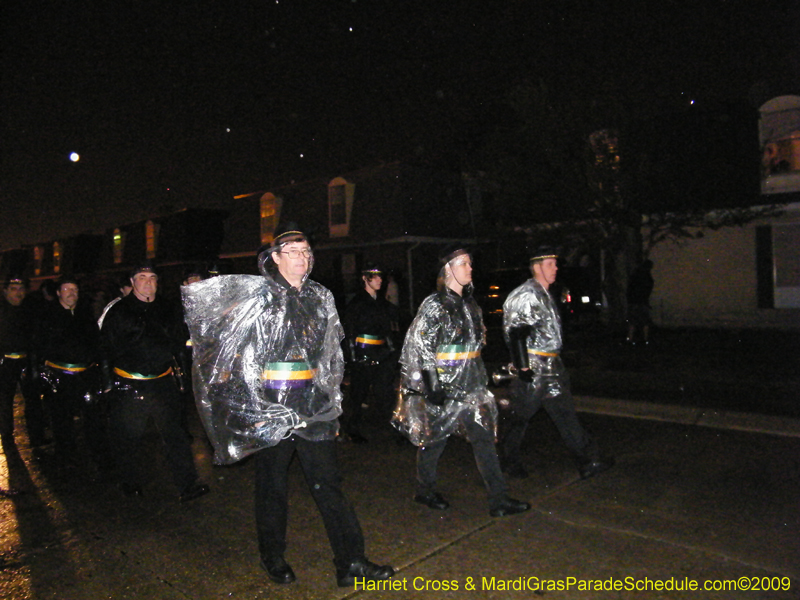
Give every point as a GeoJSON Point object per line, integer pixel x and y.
{"type": "Point", "coordinates": [283, 375]}
{"type": "Point", "coordinates": [365, 341]}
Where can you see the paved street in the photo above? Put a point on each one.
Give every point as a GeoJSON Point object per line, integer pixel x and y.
{"type": "Point", "coordinates": [685, 502]}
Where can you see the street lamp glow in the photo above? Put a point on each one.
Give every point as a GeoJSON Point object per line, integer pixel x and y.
{"type": "Point", "coordinates": [74, 157]}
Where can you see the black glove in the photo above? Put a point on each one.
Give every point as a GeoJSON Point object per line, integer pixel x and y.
{"type": "Point", "coordinates": [518, 345]}
{"type": "Point", "coordinates": [526, 375]}
{"type": "Point", "coordinates": [349, 349]}
{"type": "Point", "coordinates": [437, 398]}
{"type": "Point", "coordinates": [435, 394]}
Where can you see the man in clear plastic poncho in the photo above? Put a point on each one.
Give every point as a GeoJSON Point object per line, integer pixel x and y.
{"type": "Point", "coordinates": [532, 330]}
{"type": "Point", "coordinates": [267, 370]}
{"type": "Point", "coordinates": [443, 386]}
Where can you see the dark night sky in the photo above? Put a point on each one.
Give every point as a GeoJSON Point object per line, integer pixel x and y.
{"type": "Point", "coordinates": [186, 103]}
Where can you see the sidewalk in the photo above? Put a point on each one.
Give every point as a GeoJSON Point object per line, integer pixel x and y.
{"type": "Point", "coordinates": [728, 371]}
{"type": "Point", "coordinates": [683, 503]}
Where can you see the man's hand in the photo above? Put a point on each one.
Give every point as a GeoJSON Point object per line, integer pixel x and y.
{"type": "Point", "coordinates": [437, 397]}
{"type": "Point", "coordinates": [525, 375]}
{"type": "Point", "coordinates": [435, 394]}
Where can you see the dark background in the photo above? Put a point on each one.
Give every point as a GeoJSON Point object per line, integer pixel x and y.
{"type": "Point", "coordinates": [187, 103]}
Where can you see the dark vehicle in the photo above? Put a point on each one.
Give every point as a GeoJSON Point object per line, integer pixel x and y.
{"type": "Point", "coordinates": [576, 292]}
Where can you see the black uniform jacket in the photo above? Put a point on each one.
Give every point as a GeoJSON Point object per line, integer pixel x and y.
{"type": "Point", "coordinates": [15, 328]}
{"type": "Point", "coordinates": [65, 336]}
{"type": "Point", "coordinates": [141, 337]}
{"type": "Point", "coordinates": [368, 326]}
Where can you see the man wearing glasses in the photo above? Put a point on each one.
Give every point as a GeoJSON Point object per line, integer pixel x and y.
{"type": "Point", "coordinates": [268, 367]}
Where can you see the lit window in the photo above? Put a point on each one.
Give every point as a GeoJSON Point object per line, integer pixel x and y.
{"type": "Point", "coordinates": [38, 256]}
{"type": "Point", "coordinates": [119, 246]}
{"type": "Point", "coordinates": [151, 234]}
{"type": "Point", "coordinates": [270, 215]}
{"type": "Point", "coordinates": [778, 266]}
{"type": "Point", "coordinates": [340, 205]}
{"type": "Point", "coordinates": [56, 257]}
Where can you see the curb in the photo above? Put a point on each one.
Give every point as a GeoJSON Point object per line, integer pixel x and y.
{"type": "Point", "coordinates": [704, 417]}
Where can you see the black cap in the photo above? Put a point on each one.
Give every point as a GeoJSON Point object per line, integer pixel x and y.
{"type": "Point", "coordinates": [543, 252]}
{"type": "Point", "coordinates": [451, 251]}
{"type": "Point", "coordinates": [284, 233]}
{"type": "Point", "coordinates": [145, 266]}
{"type": "Point", "coordinates": [198, 270]}
{"type": "Point", "coordinates": [288, 232]}
{"type": "Point", "coordinates": [214, 269]}
{"type": "Point", "coordinates": [371, 269]}
{"type": "Point", "coordinates": [15, 278]}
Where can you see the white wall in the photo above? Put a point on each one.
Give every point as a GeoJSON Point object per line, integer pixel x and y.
{"type": "Point", "coordinates": [711, 281]}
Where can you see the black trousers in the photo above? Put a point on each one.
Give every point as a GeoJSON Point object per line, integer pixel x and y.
{"type": "Point", "coordinates": [483, 447]}
{"type": "Point", "coordinates": [133, 404]}
{"type": "Point", "coordinates": [65, 398]}
{"type": "Point", "coordinates": [11, 371]}
{"type": "Point", "coordinates": [364, 377]}
{"type": "Point", "coordinates": [553, 393]}
{"type": "Point", "coordinates": [318, 460]}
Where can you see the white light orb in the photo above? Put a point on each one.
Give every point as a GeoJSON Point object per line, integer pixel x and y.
{"type": "Point", "coordinates": [74, 157]}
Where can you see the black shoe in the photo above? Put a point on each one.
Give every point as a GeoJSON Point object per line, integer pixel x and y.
{"type": "Point", "coordinates": [509, 506]}
{"type": "Point", "coordinates": [515, 470]}
{"type": "Point", "coordinates": [592, 468]}
{"type": "Point", "coordinates": [194, 491]}
{"type": "Point", "coordinates": [432, 500]}
{"type": "Point", "coordinates": [362, 569]}
{"type": "Point", "coordinates": [278, 569]}
{"type": "Point", "coordinates": [131, 490]}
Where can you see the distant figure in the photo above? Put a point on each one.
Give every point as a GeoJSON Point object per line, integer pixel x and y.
{"type": "Point", "coordinates": [16, 320]}
{"type": "Point", "coordinates": [194, 274]}
{"type": "Point", "coordinates": [368, 325]}
{"type": "Point", "coordinates": [124, 289]}
{"type": "Point", "coordinates": [39, 301]}
{"type": "Point", "coordinates": [392, 290]}
{"type": "Point", "coordinates": [640, 286]}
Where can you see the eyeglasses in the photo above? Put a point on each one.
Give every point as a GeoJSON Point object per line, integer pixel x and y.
{"type": "Point", "coordinates": [306, 253]}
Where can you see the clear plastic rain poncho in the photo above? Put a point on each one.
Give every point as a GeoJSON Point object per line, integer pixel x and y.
{"type": "Point", "coordinates": [531, 306]}
{"type": "Point", "coordinates": [446, 336]}
{"type": "Point", "coordinates": [267, 361]}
